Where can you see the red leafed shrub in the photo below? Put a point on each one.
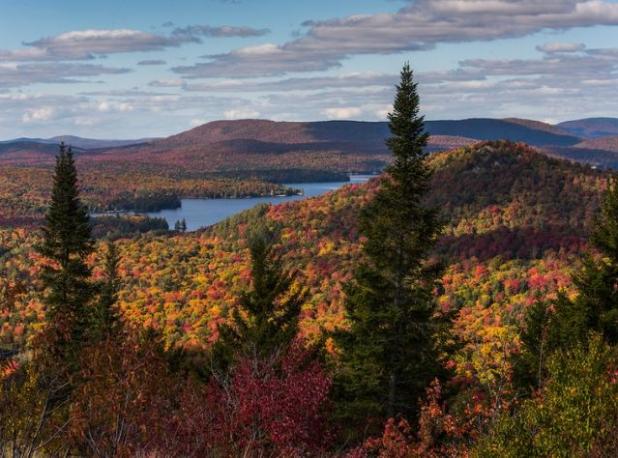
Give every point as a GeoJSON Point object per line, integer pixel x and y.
{"type": "Point", "coordinates": [439, 434]}
{"type": "Point", "coordinates": [272, 407]}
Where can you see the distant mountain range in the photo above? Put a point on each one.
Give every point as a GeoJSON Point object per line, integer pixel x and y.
{"type": "Point", "coordinates": [78, 142]}
{"type": "Point", "coordinates": [591, 127]}
{"type": "Point", "coordinates": [226, 146]}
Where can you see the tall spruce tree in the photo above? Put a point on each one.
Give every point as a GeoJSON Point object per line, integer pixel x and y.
{"type": "Point", "coordinates": [530, 363]}
{"type": "Point", "coordinates": [67, 242]}
{"type": "Point", "coordinates": [596, 306]}
{"type": "Point", "coordinates": [267, 320]}
{"type": "Point", "coordinates": [389, 355]}
{"type": "Point", "coordinates": [106, 318]}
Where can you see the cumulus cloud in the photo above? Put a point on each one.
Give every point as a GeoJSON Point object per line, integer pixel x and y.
{"type": "Point", "coordinates": [88, 44]}
{"type": "Point", "coordinates": [15, 75]}
{"type": "Point", "coordinates": [359, 80]}
{"type": "Point", "coordinates": [558, 48]}
{"type": "Point", "coordinates": [224, 31]}
{"type": "Point", "coordinates": [263, 60]}
{"type": "Point", "coordinates": [241, 113]}
{"type": "Point", "coordinates": [420, 25]}
{"type": "Point", "coordinates": [38, 114]}
{"type": "Point", "coordinates": [92, 43]}
{"type": "Point", "coordinates": [342, 112]}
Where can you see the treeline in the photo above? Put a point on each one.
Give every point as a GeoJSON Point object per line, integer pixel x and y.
{"type": "Point", "coordinates": [25, 192]}
{"type": "Point", "coordinates": [285, 175]}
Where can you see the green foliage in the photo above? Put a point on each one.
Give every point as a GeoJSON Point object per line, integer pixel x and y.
{"type": "Point", "coordinates": [66, 244]}
{"type": "Point", "coordinates": [31, 423]}
{"type": "Point", "coordinates": [596, 306]}
{"type": "Point", "coordinates": [388, 357]}
{"type": "Point", "coordinates": [529, 364]}
{"type": "Point", "coordinates": [574, 415]}
{"type": "Point", "coordinates": [106, 319]}
{"type": "Point", "coordinates": [267, 320]}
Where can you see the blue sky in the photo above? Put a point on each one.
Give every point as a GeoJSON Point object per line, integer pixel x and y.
{"type": "Point", "coordinates": [128, 69]}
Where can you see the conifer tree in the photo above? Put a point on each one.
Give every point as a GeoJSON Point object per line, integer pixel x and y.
{"type": "Point", "coordinates": [529, 364]}
{"type": "Point", "coordinates": [596, 306]}
{"type": "Point", "coordinates": [67, 243]}
{"type": "Point", "coordinates": [389, 356]}
{"type": "Point", "coordinates": [106, 315]}
{"type": "Point", "coordinates": [267, 320]}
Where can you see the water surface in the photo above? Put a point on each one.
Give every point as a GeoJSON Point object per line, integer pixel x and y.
{"type": "Point", "coordinates": [206, 212]}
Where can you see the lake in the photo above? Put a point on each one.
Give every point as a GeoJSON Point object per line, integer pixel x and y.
{"type": "Point", "coordinates": [206, 212]}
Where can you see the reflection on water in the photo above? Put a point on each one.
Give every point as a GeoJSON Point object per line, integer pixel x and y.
{"type": "Point", "coordinates": [205, 212]}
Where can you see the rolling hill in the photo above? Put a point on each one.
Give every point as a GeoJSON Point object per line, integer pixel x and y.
{"type": "Point", "coordinates": [600, 143]}
{"type": "Point", "coordinates": [591, 127]}
{"type": "Point", "coordinates": [269, 149]}
{"type": "Point", "coordinates": [78, 142]}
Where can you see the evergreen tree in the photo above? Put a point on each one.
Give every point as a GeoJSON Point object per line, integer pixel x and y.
{"type": "Point", "coordinates": [389, 354]}
{"type": "Point", "coordinates": [267, 320]}
{"type": "Point", "coordinates": [106, 315]}
{"type": "Point", "coordinates": [183, 225]}
{"type": "Point", "coordinates": [67, 243]}
{"type": "Point", "coordinates": [596, 306]}
{"type": "Point", "coordinates": [530, 364]}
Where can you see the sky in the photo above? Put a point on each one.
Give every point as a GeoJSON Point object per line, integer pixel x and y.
{"type": "Point", "coordinates": [151, 68]}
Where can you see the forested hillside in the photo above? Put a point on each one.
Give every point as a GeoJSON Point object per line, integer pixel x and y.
{"type": "Point", "coordinates": [505, 204]}
{"type": "Point", "coordinates": [516, 223]}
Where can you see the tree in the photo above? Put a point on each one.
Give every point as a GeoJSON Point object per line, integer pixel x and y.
{"type": "Point", "coordinates": [267, 320]}
{"type": "Point", "coordinates": [66, 243]}
{"type": "Point", "coordinates": [269, 406]}
{"type": "Point", "coordinates": [389, 356]}
{"type": "Point", "coordinates": [596, 306]}
{"type": "Point", "coordinates": [529, 364]}
{"type": "Point", "coordinates": [575, 413]}
{"type": "Point", "coordinates": [125, 397]}
{"type": "Point", "coordinates": [106, 315]}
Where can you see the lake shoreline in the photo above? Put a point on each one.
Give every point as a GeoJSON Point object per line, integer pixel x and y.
{"type": "Point", "coordinates": [200, 213]}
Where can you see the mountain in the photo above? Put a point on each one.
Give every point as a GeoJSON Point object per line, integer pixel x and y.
{"type": "Point", "coordinates": [591, 127]}
{"type": "Point", "coordinates": [600, 143]}
{"type": "Point", "coordinates": [516, 130]}
{"type": "Point", "coordinates": [366, 135]}
{"type": "Point", "coordinates": [260, 146]}
{"type": "Point", "coordinates": [91, 143]}
{"type": "Point", "coordinates": [300, 151]}
{"type": "Point", "coordinates": [77, 142]}
{"type": "Point", "coordinates": [538, 125]}
{"type": "Point", "coordinates": [24, 151]}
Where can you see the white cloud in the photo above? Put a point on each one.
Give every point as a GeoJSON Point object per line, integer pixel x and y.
{"type": "Point", "coordinates": [197, 122]}
{"type": "Point", "coordinates": [559, 47]}
{"type": "Point", "coordinates": [342, 112]}
{"type": "Point", "coordinates": [224, 31]}
{"type": "Point", "coordinates": [38, 115]}
{"type": "Point", "coordinates": [114, 106]}
{"type": "Point", "coordinates": [15, 75]}
{"type": "Point", "coordinates": [418, 26]}
{"type": "Point", "coordinates": [91, 43]}
{"type": "Point", "coordinates": [241, 113]}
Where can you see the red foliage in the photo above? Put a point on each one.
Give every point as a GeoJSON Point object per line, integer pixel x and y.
{"type": "Point", "coordinates": [273, 407]}
{"type": "Point", "coordinates": [439, 433]}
